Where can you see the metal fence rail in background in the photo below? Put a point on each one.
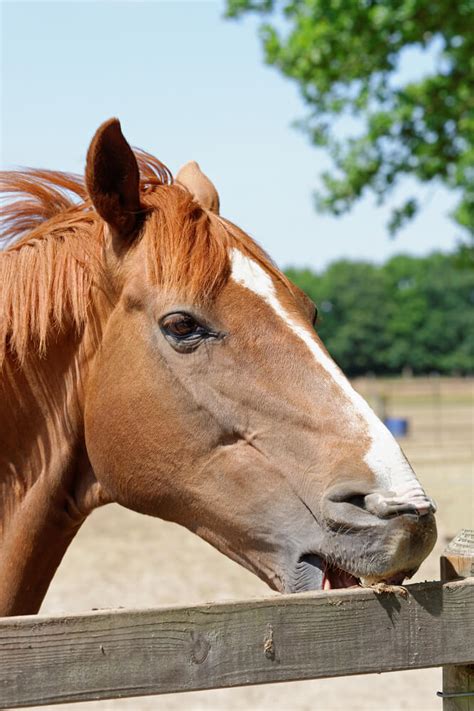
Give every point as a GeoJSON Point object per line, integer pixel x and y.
{"type": "Point", "coordinates": [114, 654]}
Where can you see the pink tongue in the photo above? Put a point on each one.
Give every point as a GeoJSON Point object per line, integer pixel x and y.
{"type": "Point", "coordinates": [337, 578]}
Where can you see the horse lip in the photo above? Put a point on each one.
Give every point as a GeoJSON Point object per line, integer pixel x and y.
{"type": "Point", "coordinates": [388, 551]}
{"type": "Point", "coordinates": [314, 572]}
{"type": "Point", "coordinates": [308, 573]}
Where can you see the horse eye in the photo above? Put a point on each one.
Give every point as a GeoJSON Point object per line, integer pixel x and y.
{"type": "Point", "coordinates": [315, 316]}
{"type": "Point", "coordinates": [181, 325]}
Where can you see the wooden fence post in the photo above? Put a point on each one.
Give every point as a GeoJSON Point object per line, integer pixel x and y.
{"type": "Point", "coordinates": [458, 681]}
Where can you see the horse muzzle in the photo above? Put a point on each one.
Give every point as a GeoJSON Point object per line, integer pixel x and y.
{"type": "Point", "coordinates": [366, 537]}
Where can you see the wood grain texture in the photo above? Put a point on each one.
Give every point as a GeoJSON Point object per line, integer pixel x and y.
{"type": "Point", "coordinates": [113, 654]}
{"type": "Point", "coordinates": [457, 561]}
{"type": "Point", "coordinates": [459, 681]}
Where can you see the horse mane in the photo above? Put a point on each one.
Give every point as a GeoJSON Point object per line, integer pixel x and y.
{"type": "Point", "coordinates": [54, 250]}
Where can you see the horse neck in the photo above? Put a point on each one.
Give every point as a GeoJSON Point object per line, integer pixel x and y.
{"type": "Point", "coordinates": [47, 487]}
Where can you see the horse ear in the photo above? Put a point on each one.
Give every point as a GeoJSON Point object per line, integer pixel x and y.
{"type": "Point", "coordinates": [193, 179]}
{"type": "Point", "coordinates": [113, 179]}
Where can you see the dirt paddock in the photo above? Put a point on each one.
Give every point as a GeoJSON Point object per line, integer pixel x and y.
{"type": "Point", "coordinates": [121, 559]}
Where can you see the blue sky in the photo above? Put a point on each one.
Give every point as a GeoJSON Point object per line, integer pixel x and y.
{"type": "Point", "coordinates": [187, 84]}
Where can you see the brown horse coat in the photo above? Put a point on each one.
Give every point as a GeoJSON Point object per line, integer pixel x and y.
{"type": "Point", "coordinates": [152, 355]}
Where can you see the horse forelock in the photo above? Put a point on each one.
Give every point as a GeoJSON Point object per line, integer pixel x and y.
{"type": "Point", "coordinates": [54, 250]}
{"type": "Point", "coordinates": [188, 247]}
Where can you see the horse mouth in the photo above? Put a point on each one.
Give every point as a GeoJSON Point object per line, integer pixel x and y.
{"type": "Point", "coordinates": [337, 578]}
{"type": "Point", "coordinates": [313, 572]}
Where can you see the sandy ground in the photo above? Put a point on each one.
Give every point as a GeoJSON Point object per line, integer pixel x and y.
{"type": "Point", "coordinates": [121, 559]}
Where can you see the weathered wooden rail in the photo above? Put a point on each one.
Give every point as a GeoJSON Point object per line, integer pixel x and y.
{"type": "Point", "coordinates": [101, 655]}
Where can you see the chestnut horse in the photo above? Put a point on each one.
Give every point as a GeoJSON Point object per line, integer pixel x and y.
{"type": "Point", "coordinates": [152, 355]}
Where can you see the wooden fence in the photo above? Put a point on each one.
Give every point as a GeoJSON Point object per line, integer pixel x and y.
{"type": "Point", "coordinates": [114, 654]}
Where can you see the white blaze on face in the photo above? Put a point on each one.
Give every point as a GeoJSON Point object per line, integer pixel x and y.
{"type": "Point", "coordinates": [384, 457]}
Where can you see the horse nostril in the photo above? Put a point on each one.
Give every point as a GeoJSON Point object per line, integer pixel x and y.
{"type": "Point", "coordinates": [357, 500]}
{"type": "Point", "coordinates": [345, 504]}
{"type": "Point", "coordinates": [348, 493]}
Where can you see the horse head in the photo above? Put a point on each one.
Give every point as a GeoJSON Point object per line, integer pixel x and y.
{"type": "Point", "coordinates": [212, 402]}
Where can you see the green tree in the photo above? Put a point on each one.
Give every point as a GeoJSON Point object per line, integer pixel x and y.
{"type": "Point", "coordinates": [344, 56]}
{"type": "Point", "coordinates": [431, 325]}
{"type": "Point", "coordinates": [415, 312]}
{"type": "Point", "coordinates": [353, 306]}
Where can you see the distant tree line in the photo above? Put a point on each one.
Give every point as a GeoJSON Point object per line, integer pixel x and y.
{"type": "Point", "coordinates": [410, 313]}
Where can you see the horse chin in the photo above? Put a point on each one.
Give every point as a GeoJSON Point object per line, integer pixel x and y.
{"type": "Point", "coordinates": [314, 573]}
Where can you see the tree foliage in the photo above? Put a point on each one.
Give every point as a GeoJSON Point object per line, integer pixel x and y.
{"type": "Point", "coordinates": [412, 312]}
{"type": "Point", "coordinates": [344, 55]}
